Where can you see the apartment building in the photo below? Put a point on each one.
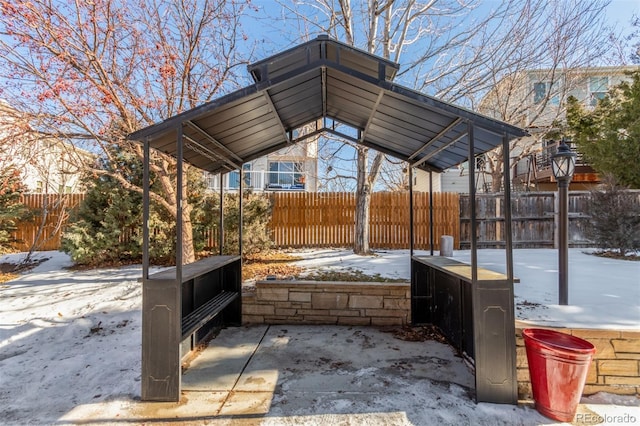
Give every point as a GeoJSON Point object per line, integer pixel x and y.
{"type": "Point", "coordinates": [535, 100]}
{"type": "Point", "coordinates": [293, 168]}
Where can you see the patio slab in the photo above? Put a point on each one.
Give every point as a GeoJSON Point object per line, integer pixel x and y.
{"type": "Point", "coordinates": [318, 375]}
{"type": "Point", "coordinates": [218, 367]}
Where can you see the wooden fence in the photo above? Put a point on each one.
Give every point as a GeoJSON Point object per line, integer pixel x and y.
{"type": "Point", "coordinates": [534, 219]}
{"type": "Point", "coordinates": [51, 212]}
{"type": "Point", "coordinates": [327, 219]}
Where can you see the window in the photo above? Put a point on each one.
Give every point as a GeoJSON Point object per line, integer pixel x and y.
{"type": "Point", "coordinates": [539, 92]}
{"type": "Point", "coordinates": [286, 174]}
{"type": "Point", "coordinates": [543, 89]}
{"type": "Point", "coordinates": [597, 89]}
{"type": "Point", "coordinates": [234, 177]}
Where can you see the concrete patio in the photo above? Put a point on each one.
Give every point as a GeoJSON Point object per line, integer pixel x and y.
{"type": "Point", "coordinates": [318, 375]}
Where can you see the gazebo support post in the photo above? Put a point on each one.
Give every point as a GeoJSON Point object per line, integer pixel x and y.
{"type": "Point", "coordinates": [221, 219]}
{"type": "Point", "coordinates": [240, 211]}
{"type": "Point", "coordinates": [411, 218]}
{"type": "Point", "coordinates": [179, 192]}
{"type": "Point", "coordinates": [145, 209]}
{"type": "Point", "coordinates": [431, 236]}
{"type": "Point", "coordinates": [161, 310]}
{"type": "Point", "coordinates": [472, 202]}
{"type": "Point", "coordinates": [508, 233]}
{"type": "Point", "coordinates": [493, 311]}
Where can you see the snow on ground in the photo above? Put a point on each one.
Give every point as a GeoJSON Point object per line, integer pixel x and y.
{"type": "Point", "coordinates": [603, 292]}
{"type": "Point", "coordinates": [70, 338]}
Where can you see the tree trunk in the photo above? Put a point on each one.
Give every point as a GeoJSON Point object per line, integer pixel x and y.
{"type": "Point", "coordinates": [169, 202]}
{"type": "Point", "coordinates": [364, 187]}
{"type": "Point", "coordinates": [363, 204]}
{"type": "Point", "coordinates": [496, 180]}
{"type": "Point", "coordinates": [188, 254]}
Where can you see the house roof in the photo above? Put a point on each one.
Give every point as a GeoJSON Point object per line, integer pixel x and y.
{"type": "Point", "coordinates": [328, 84]}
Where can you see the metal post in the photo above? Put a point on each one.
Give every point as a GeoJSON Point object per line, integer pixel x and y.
{"type": "Point", "coordinates": [563, 240]}
{"type": "Point", "coordinates": [411, 211]}
{"type": "Point", "coordinates": [240, 212]}
{"type": "Point", "coordinates": [221, 221]}
{"type": "Point", "coordinates": [145, 210]}
{"type": "Point", "coordinates": [179, 183]}
{"type": "Point", "coordinates": [508, 237]}
{"type": "Point", "coordinates": [431, 237]}
{"type": "Point", "coordinates": [472, 201]}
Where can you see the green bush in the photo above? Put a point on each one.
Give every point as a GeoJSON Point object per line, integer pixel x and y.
{"type": "Point", "coordinates": [255, 229]}
{"type": "Point", "coordinates": [97, 233]}
{"type": "Point", "coordinates": [615, 218]}
{"type": "Point", "coordinates": [107, 226]}
{"type": "Point", "coordinates": [256, 233]}
{"type": "Point", "coordinates": [12, 210]}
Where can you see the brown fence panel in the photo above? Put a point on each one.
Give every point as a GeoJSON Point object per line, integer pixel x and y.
{"type": "Point", "coordinates": [298, 220]}
{"type": "Point", "coordinates": [51, 214]}
{"type": "Point", "coordinates": [534, 217]}
{"type": "Point", "coordinates": [532, 220]}
{"type": "Point", "coordinates": [328, 219]}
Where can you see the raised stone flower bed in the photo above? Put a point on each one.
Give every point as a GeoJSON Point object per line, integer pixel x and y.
{"type": "Point", "coordinates": [327, 302]}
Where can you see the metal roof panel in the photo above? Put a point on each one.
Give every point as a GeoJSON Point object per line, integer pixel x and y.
{"type": "Point", "coordinates": [319, 79]}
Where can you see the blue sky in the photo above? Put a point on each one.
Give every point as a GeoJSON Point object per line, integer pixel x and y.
{"type": "Point", "coordinates": [620, 12]}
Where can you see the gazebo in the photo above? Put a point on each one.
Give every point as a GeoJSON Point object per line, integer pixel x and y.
{"type": "Point", "coordinates": [330, 86]}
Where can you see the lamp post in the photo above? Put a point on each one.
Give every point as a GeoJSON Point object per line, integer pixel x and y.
{"type": "Point", "coordinates": [563, 163]}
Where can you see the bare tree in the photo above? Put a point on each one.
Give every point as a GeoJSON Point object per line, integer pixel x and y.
{"type": "Point", "coordinates": [535, 65]}
{"type": "Point", "coordinates": [92, 72]}
{"type": "Point", "coordinates": [394, 176]}
{"type": "Point", "coordinates": [386, 28]}
{"type": "Point", "coordinates": [456, 50]}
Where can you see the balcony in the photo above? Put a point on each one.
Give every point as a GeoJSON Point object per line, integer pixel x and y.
{"type": "Point", "coordinates": [260, 181]}
{"type": "Point", "coordinates": [536, 169]}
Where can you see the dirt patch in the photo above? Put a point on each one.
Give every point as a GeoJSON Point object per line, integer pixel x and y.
{"type": "Point", "coordinates": [418, 333]}
{"type": "Point", "coordinates": [275, 263]}
{"type": "Point", "coordinates": [10, 271]}
{"type": "Point", "coordinates": [615, 255]}
{"type": "Point", "coordinates": [350, 275]}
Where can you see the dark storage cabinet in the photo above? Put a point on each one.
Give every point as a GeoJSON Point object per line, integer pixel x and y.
{"type": "Point", "coordinates": [180, 307]}
{"type": "Point", "coordinates": [477, 319]}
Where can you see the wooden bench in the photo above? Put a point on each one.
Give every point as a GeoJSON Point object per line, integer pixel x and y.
{"type": "Point", "coordinates": [205, 313]}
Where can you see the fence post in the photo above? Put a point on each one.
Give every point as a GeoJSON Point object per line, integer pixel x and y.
{"type": "Point", "coordinates": [556, 219]}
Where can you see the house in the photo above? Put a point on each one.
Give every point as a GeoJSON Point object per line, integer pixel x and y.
{"type": "Point", "coordinates": [534, 100]}
{"type": "Point", "coordinates": [293, 168]}
{"type": "Point", "coordinates": [47, 164]}
{"type": "Point", "coordinates": [546, 93]}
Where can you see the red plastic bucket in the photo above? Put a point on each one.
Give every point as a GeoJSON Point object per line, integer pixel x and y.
{"type": "Point", "coordinates": [558, 366]}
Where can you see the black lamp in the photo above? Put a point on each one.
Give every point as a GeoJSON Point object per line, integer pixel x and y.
{"type": "Point", "coordinates": [563, 163]}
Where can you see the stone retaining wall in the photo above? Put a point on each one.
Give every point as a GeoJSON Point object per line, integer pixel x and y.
{"type": "Point", "coordinates": [315, 302]}
{"type": "Point", "coordinates": [615, 367]}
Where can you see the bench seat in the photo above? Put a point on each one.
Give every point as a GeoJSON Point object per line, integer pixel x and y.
{"type": "Point", "coordinates": [205, 313]}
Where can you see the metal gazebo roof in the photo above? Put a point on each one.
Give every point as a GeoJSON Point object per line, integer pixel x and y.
{"type": "Point", "coordinates": [326, 83]}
